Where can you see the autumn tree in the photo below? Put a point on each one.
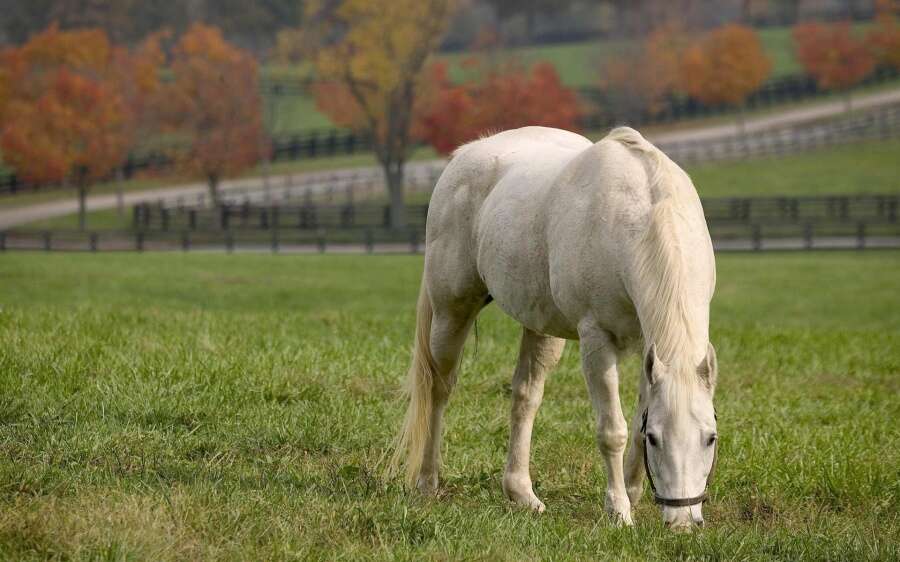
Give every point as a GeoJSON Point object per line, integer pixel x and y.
{"type": "Point", "coordinates": [376, 56]}
{"type": "Point", "coordinates": [213, 101]}
{"type": "Point", "coordinates": [725, 67]}
{"type": "Point", "coordinates": [884, 36]}
{"type": "Point", "coordinates": [72, 98]}
{"type": "Point", "coordinates": [832, 55]}
{"type": "Point", "coordinates": [494, 99]}
{"type": "Point", "coordinates": [637, 81]}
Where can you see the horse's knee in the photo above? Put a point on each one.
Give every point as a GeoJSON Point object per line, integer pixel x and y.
{"type": "Point", "coordinates": [612, 440]}
{"type": "Point", "coordinates": [526, 396]}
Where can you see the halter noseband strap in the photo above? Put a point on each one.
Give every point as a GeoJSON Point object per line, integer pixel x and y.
{"type": "Point", "coordinates": [676, 502]}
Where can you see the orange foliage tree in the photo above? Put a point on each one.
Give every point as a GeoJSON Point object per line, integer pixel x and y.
{"type": "Point", "coordinates": [637, 81]}
{"type": "Point", "coordinates": [213, 101]}
{"type": "Point", "coordinates": [725, 67]}
{"type": "Point", "coordinates": [833, 55]}
{"type": "Point", "coordinates": [71, 100]}
{"type": "Point", "coordinates": [884, 37]}
{"type": "Point", "coordinates": [501, 98]}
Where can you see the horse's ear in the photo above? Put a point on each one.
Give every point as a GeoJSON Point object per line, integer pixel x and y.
{"type": "Point", "coordinates": [650, 361]}
{"type": "Point", "coordinates": [708, 369]}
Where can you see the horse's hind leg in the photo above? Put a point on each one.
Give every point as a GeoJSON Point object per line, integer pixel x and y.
{"type": "Point", "coordinates": [449, 329]}
{"type": "Point", "coordinates": [537, 355]}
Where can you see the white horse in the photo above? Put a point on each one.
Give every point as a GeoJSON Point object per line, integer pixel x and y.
{"type": "Point", "coordinates": [603, 243]}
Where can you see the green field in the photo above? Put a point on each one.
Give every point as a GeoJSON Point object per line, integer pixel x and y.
{"type": "Point", "coordinates": [171, 407]}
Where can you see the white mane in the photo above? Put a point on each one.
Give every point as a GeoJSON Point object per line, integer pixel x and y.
{"type": "Point", "coordinates": [662, 270]}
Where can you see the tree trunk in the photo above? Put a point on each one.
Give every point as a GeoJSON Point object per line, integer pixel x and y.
{"type": "Point", "coordinates": [742, 120]}
{"type": "Point", "coordinates": [393, 175]}
{"type": "Point", "coordinates": [213, 181]}
{"type": "Point", "coordinates": [82, 206]}
{"type": "Point", "coordinates": [120, 195]}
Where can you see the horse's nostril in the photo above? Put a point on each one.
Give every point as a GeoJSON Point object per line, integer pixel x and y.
{"type": "Point", "coordinates": [700, 523]}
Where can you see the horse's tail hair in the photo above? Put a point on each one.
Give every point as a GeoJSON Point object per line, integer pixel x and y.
{"type": "Point", "coordinates": [410, 443]}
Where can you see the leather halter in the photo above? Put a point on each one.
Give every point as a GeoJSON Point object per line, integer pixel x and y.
{"type": "Point", "coordinates": [678, 502]}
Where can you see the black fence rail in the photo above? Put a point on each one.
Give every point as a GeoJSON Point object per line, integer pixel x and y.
{"type": "Point", "coordinates": [821, 212]}
{"type": "Point", "coordinates": [750, 236]}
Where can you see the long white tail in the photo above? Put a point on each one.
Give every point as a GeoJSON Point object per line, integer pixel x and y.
{"type": "Point", "coordinates": [410, 443]}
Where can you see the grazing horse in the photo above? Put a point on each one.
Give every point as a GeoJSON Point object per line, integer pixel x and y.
{"type": "Point", "coordinates": [603, 243]}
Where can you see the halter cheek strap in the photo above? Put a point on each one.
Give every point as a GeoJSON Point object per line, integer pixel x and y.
{"type": "Point", "coordinates": [677, 502]}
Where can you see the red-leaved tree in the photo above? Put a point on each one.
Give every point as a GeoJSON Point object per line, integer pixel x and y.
{"type": "Point", "coordinates": [725, 67]}
{"type": "Point", "coordinates": [884, 37]}
{"type": "Point", "coordinates": [833, 55]}
{"type": "Point", "coordinates": [213, 101]}
{"type": "Point", "coordinates": [497, 99]}
{"type": "Point", "coordinates": [71, 98]}
{"type": "Point", "coordinates": [637, 81]}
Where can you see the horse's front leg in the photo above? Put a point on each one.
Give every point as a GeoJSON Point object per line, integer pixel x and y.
{"type": "Point", "coordinates": [634, 460]}
{"type": "Point", "coordinates": [538, 354]}
{"type": "Point", "coordinates": [598, 358]}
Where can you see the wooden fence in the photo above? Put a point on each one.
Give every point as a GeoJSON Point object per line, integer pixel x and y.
{"type": "Point", "coordinates": [738, 223]}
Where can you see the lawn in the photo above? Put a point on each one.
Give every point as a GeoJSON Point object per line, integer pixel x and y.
{"type": "Point", "coordinates": [163, 407]}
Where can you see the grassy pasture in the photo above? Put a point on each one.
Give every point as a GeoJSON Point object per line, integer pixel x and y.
{"type": "Point", "coordinates": [165, 407]}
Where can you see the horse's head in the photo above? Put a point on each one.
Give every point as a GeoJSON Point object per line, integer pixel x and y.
{"type": "Point", "coordinates": [679, 431]}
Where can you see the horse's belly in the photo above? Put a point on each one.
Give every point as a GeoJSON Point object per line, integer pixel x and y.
{"type": "Point", "coordinates": [513, 263]}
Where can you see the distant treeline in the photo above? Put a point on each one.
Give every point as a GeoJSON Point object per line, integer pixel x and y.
{"type": "Point", "coordinates": [254, 24]}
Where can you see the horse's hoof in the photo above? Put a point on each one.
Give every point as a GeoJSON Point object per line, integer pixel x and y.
{"type": "Point", "coordinates": [427, 485]}
{"type": "Point", "coordinates": [523, 495]}
{"type": "Point", "coordinates": [622, 519]}
{"type": "Point", "coordinates": [532, 503]}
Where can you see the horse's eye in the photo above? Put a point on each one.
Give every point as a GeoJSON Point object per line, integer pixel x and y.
{"type": "Point", "coordinates": [712, 440]}
{"type": "Point", "coordinates": [651, 438]}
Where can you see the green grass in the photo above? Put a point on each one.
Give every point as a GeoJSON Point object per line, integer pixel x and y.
{"type": "Point", "coordinates": [163, 407]}
{"type": "Point", "coordinates": [868, 167]}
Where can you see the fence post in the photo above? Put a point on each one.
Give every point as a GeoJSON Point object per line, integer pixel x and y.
{"type": "Point", "coordinates": [185, 241]}
{"type": "Point", "coordinates": [275, 241]}
{"type": "Point", "coordinates": [370, 241]}
{"type": "Point", "coordinates": [164, 218]}
{"type": "Point", "coordinates": [414, 241]}
{"type": "Point", "coordinates": [757, 238]}
{"type": "Point", "coordinates": [2, 241]}
{"type": "Point", "coordinates": [808, 236]}
{"type": "Point", "coordinates": [321, 242]}
{"type": "Point", "coordinates": [192, 219]}
{"type": "Point", "coordinates": [47, 242]}
{"type": "Point", "coordinates": [229, 241]}
{"type": "Point", "coordinates": [861, 235]}
{"type": "Point", "coordinates": [93, 242]}
{"type": "Point", "coordinates": [139, 240]}
{"type": "Point", "coordinates": [223, 217]}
